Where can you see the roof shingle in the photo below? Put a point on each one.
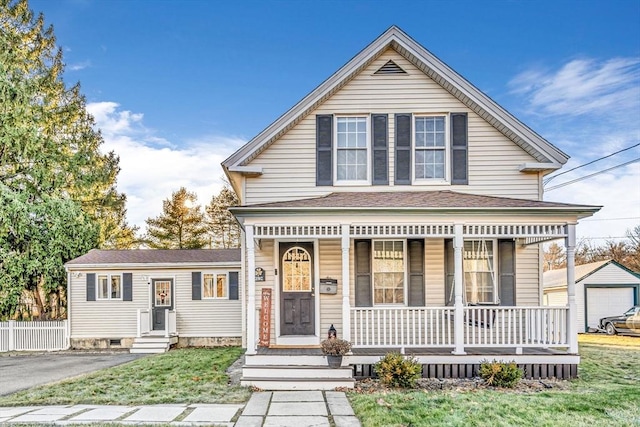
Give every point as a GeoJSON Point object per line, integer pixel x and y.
{"type": "Point", "coordinates": [157, 256]}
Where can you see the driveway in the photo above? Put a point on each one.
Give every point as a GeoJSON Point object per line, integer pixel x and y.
{"type": "Point", "coordinates": [22, 371]}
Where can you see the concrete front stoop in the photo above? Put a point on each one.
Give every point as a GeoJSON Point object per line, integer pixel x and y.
{"type": "Point", "coordinates": [151, 344]}
{"type": "Point", "coordinates": [299, 372]}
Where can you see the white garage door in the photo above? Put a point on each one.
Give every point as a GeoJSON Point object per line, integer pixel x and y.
{"type": "Point", "coordinates": [605, 302]}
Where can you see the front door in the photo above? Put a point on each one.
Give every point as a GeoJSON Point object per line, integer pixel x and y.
{"type": "Point", "coordinates": [297, 300]}
{"type": "Point", "coordinates": [161, 300]}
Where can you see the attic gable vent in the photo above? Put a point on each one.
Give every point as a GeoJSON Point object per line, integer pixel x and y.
{"type": "Point", "coordinates": [390, 68]}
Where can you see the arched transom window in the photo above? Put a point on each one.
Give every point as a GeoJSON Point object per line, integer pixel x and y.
{"type": "Point", "coordinates": [296, 270]}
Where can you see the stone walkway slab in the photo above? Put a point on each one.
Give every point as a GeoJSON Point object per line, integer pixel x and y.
{"type": "Point", "coordinates": [14, 412]}
{"type": "Point", "coordinates": [297, 408]}
{"type": "Point", "coordinates": [160, 413]}
{"type": "Point", "coordinates": [257, 404]}
{"type": "Point", "coordinates": [297, 396]}
{"type": "Point", "coordinates": [249, 421]}
{"type": "Point", "coordinates": [342, 421]}
{"type": "Point", "coordinates": [105, 413]}
{"type": "Point", "coordinates": [213, 413]}
{"type": "Point", "coordinates": [296, 422]}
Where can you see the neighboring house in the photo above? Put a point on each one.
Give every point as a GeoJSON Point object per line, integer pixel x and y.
{"type": "Point", "coordinates": [150, 299]}
{"type": "Point", "coordinates": [603, 289]}
{"type": "Point", "coordinates": [402, 205]}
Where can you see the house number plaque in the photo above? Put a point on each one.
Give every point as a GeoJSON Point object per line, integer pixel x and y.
{"type": "Point", "coordinates": [265, 318]}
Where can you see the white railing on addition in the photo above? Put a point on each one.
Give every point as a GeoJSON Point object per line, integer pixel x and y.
{"type": "Point", "coordinates": [515, 326]}
{"type": "Point", "coordinates": [37, 335]}
{"type": "Point", "coordinates": [402, 327]}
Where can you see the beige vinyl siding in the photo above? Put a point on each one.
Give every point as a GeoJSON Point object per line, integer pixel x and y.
{"type": "Point", "coordinates": [118, 319]}
{"type": "Point", "coordinates": [331, 305]}
{"type": "Point", "coordinates": [527, 275]}
{"type": "Point", "coordinates": [434, 272]}
{"type": "Point", "coordinates": [289, 163]}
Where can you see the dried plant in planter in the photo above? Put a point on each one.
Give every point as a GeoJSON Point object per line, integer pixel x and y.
{"type": "Point", "coordinates": [335, 347]}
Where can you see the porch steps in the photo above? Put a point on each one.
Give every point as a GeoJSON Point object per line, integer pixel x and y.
{"type": "Point", "coordinates": [300, 372]}
{"type": "Point", "coordinates": [151, 345]}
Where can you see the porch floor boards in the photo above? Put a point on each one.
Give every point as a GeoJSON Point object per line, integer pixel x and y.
{"type": "Point", "coordinates": [426, 351]}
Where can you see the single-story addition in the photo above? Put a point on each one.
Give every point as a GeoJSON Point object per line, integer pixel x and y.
{"type": "Point", "coordinates": [403, 206]}
{"type": "Point", "coordinates": [148, 300]}
{"type": "Point", "coordinates": [603, 289]}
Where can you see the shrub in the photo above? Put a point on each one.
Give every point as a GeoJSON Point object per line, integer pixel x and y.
{"type": "Point", "coordinates": [335, 347]}
{"type": "Point", "coordinates": [500, 374]}
{"type": "Point", "coordinates": [396, 370]}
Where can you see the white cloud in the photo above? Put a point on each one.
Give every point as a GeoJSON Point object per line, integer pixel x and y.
{"type": "Point", "coordinates": [581, 86]}
{"type": "Point", "coordinates": [78, 66]}
{"type": "Point", "coordinates": [152, 167]}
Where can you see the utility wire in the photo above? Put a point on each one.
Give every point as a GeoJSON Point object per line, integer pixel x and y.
{"type": "Point", "coordinates": [546, 181]}
{"type": "Point", "coordinates": [593, 174]}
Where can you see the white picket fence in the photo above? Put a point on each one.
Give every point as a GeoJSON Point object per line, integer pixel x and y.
{"type": "Point", "coordinates": [33, 335]}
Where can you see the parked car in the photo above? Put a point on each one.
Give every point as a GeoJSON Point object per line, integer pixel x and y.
{"type": "Point", "coordinates": [627, 323]}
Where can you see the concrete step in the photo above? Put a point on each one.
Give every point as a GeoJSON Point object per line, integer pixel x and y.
{"type": "Point", "coordinates": [282, 360]}
{"type": "Point", "coordinates": [297, 383]}
{"type": "Point", "coordinates": [147, 350]}
{"type": "Point", "coordinates": [297, 372]}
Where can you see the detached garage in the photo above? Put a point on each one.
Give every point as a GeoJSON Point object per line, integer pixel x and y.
{"type": "Point", "coordinates": [604, 288]}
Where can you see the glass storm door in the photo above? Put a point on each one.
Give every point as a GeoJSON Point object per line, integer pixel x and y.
{"type": "Point", "coordinates": [161, 300]}
{"type": "Point", "coordinates": [297, 300]}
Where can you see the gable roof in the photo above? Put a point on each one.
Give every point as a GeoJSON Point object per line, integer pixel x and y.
{"type": "Point", "coordinates": [413, 200]}
{"type": "Point", "coordinates": [96, 257]}
{"type": "Point", "coordinates": [544, 152]}
{"type": "Point", "coordinates": [558, 278]}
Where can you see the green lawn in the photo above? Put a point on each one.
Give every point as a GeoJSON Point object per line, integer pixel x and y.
{"type": "Point", "coordinates": [606, 394]}
{"type": "Point", "coordinates": [193, 375]}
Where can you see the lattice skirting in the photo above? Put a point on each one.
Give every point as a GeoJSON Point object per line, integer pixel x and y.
{"type": "Point", "coordinates": [467, 370]}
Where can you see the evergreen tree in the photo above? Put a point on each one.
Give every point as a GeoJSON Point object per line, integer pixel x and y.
{"type": "Point", "coordinates": [181, 224]}
{"type": "Point", "coordinates": [49, 158]}
{"type": "Point", "coordinates": [225, 230]}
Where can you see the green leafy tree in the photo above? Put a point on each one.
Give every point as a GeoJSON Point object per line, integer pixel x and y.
{"type": "Point", "coordinates": [181, 224]}
{"type": "Point", "coordinates": [225, 230]}
{"type": "Point", "coordinates": [49, 157]}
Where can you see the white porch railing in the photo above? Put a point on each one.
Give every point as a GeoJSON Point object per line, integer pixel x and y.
{"type": "Point", "coordinates": [33, 335]}
{"type": "Point", "coordinates": [515, 327]}
{"type": "Point", "coordinates": [402, 327]}
{"type": "Point", "coordinates": [145, 322]}
{"type": "Point", "coordinates": [406, 327]}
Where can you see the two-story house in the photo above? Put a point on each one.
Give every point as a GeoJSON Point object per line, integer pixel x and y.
{"type": "Point", "coordinates": [403, 206]}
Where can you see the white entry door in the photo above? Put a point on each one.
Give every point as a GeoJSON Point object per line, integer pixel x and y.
{"type": "Point", "coordinates": [604, 302]}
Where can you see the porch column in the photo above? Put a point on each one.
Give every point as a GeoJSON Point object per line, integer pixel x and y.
{"type": "Point", "coordinates": [572, 317]}
{"type": "Point", "coordinates": [346, 290]}
{"type": "Point", "coordinates": [251, 290]}
{"type": "Point", "coordinates": [458, 245]}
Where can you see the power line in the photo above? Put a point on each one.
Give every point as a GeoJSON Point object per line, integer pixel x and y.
{"type": "Point", "coordinates": [546, 181]}
{"type": "Point", "coordinates": [593, 174]}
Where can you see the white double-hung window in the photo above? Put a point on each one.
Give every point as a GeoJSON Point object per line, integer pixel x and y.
{"type": "Point", "coordinates": [352, 149]}
{"type": "Point", "coordinates": [388, 271]}
{"type": "Point", "coordinates": [430, 145]}
{"type": "Point", "coordinates": [109, 286]}
{"type": "Point", "coordinates": [480, 272]}
{"type": "Point", "coordinates": [215, 285]}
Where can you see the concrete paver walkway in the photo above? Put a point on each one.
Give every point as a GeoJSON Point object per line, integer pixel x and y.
{"type": "Point", "coordinates": [264, 409]}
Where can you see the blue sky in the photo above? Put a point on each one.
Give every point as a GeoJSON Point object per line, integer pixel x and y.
{"type": "Point", "coordinates": [177, 86]}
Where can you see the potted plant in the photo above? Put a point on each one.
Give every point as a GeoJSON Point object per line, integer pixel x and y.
{"type": "Point", "coordinates": [334, 349]}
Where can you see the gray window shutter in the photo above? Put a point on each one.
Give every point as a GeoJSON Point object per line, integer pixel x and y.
{"type": "Point", "coordinates": [380, 149]}
{"type": "Point", "coordinates": [363, 273]}
{"type": "Point", "coordinates": [415, 249]}
{"type": "Point", "coordinates": [324, 149]}
{"type": "Point", "coordinates": [449, 272]}
{"type": "Point", "coordinates": [459, 149]}
{"type": "Point", "coordinates": [127, 287]}
{"type": "Point", "coordinates": [233, 285]}
{"type": "Point", "coordinates": [196, 285]}
{"type": "Point", "coordinates": [91, 286]}
{"type": "Point", "coordinates": [507, 269]}
{"type": "Point", "coordinates": [403, 149]}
